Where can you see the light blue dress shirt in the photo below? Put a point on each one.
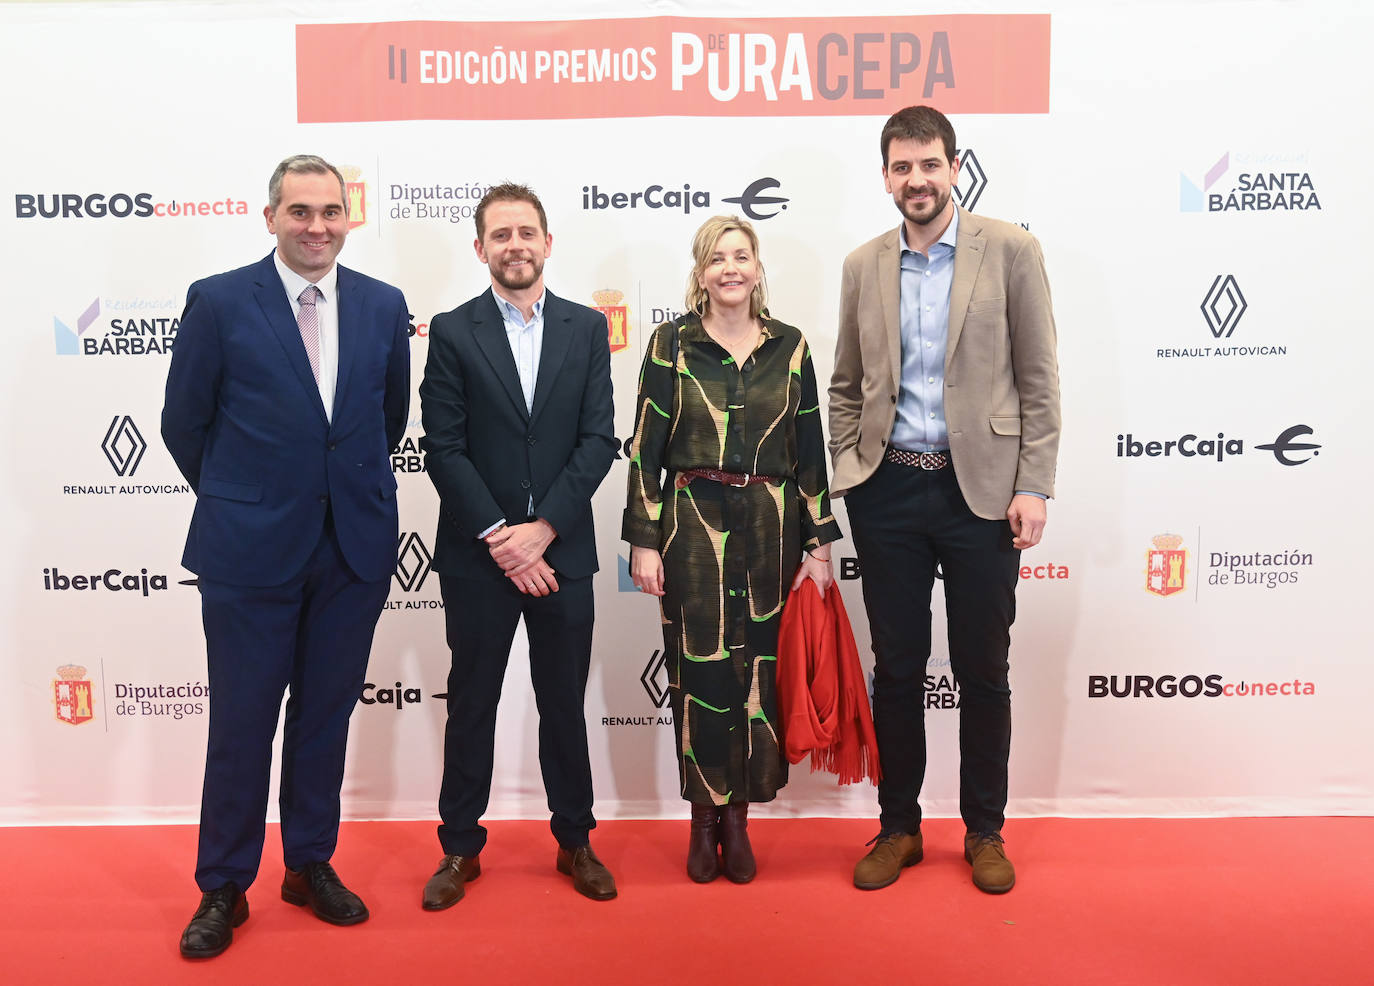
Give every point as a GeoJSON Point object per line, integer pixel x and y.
{"type": "Point", "coordinates": [926, 282]}
{"type": "Point", "coordinates": [526, 341]}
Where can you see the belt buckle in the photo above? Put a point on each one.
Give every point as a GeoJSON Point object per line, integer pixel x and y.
{"type": "Point", "coordinates": [740, 485]}
{"type": "Point", "coordinates": [930, 461]}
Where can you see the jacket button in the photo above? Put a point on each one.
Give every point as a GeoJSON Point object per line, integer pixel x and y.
{"type": "Point", "coordinates": [524, 484]}
{"type": "Point", "coordinates": [894, 398]}
{"type": "Point", "coordinates": [529, 439]}
{"type": "Point", "coordinates": [324, 498]}
{"type": "Point", "coordinates": [332, 446]}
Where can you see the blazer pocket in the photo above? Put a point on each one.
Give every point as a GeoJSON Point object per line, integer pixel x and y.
{"type": "Point", "coordinates": [225, 490]}
{"type": "Point", "coordinates": [987, 305]}
{"type": "Point", "coordinates": [1005, 425]}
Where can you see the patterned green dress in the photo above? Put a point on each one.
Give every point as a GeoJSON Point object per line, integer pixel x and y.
{"type": "Point", "coordinates": [729, 553]}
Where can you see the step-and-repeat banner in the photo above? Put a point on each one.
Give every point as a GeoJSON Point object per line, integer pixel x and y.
{"type": "Point", "coordinates": [1191, 635]}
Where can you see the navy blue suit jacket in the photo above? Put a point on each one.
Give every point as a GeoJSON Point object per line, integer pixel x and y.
{"type": "Point", "coordinates": [487, 455]}
{"type": "Point", "coordinates": [244, 421]}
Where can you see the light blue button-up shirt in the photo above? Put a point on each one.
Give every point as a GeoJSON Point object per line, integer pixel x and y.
{"type": "Point", "coordinates": [526, 341]}
{"type": "Point", "coordinates": [920, 424]}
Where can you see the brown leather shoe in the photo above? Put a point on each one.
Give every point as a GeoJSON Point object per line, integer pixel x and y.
{"type": "Point", "coordinates": [736, 854]}
{"type": "Point", "coordinates": [212, 926]}
{"type": "Point", "coordinates": [893, 852]}
{"type": "Point", "coordinates": [703, 859]}
{"type": "Point", "coordinates": [992, 871]}
{"type": "Point", "coordinates": [590, 876]}
{"type": "Point", "coordinates": [318, 887]}
{"type": "Point", "coordinates": [445, 888]}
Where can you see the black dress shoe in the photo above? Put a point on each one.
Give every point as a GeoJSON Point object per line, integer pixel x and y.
{"type": "Point", "coordinates": [445, 888]}
{"type": "Point", "coordinates": [317, 886]}
{"type": "Point", "coordinates": [590, 876]}
{"type": "Point", "coordinates": [212, 926]}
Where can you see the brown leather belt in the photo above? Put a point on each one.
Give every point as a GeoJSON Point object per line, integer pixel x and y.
{"type": "Point", "coordinates": [724, 478]}
{"type": "Point", "coordinates": [929, 461]}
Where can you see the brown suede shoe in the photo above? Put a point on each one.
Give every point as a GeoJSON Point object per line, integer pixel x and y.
{"type": "Point", "coordinates": [893, 852]}
{"type": "Point", "coordinates": [445, 888]}
{"type": "Point", "coordinates": [590, 876]}
{"type": "Point", "coordinates": [992, 871]}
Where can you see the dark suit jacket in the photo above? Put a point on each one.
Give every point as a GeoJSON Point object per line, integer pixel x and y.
{"type": "Point", "coordinates": [487, 456]}
{"type": "Point", "coordinates": [244, 421]}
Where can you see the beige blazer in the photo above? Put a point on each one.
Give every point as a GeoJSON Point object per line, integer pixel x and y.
{"type": "Point", "coordinates": [1001, 371]}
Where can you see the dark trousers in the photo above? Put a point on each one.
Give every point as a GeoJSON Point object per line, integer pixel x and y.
{"type": "Point", "coordinates": [309, 639]}
{"type": "Point", "coordinates": [481, 615]}
{"type": "Point", "coordinates": [905, 521]}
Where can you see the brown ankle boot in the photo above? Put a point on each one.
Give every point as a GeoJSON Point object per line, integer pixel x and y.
{"type": "Point", "coordinates": [735, 852]}
{"type": "Point", "coordinates": [703, 862]}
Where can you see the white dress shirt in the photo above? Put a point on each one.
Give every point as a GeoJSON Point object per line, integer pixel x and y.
{"type": "Point", "coordinates": [326, 317]}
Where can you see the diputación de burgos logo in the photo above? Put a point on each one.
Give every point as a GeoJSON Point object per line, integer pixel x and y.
{"type": "Point", "coordinates": [72, 695]}
{"type": "Point", "coordinates": [1167, 686]}
{"type": "Point", "coordinates": [434, 202]}
{"type": "Point", "coordinates": [161, 700]}
{"type": "Point", "coordinates": [123, 205]}
{"type": "Point", "coordinates": [1167, 566]}
{"type": "Point", "coordinates": [119, 327]}
{"type": "Point", "coordinates": [611, 303]}
{"type": "Point", "coordinates": [1250, 182]}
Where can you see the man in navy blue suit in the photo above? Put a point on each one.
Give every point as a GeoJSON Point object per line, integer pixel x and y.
{"type": "Point", "coordinates": [519, 432]}
{"type": "Point", "coordinates": [288, 387]}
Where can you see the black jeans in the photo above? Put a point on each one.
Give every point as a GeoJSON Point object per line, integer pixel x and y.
{"type": "Point", "coordinates": [905, 521]}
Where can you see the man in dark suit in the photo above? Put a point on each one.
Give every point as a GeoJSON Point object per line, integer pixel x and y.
{"type": "Point", "coordinates": [516, 402]}
{"type": "Point", "coordinates": [288, 387]}
{"type": "Point", "coordinates": [944, 427]}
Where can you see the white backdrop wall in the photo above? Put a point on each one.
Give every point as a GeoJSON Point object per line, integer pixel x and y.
{"type": "Point", "coordinates": [1126, 136]}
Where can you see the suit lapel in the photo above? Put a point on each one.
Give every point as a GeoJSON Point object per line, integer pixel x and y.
{"type": "Point", "coordinates": [489, 330]}
{"type": "Point", "coordinates": [969, 250]}
{"type": "Point", "coordinates": [552, 351]}
{"type": "Point", "coordinates": [350, 303]}
{"type": "Point", "coordinates": [890, 295]}
{"type": "Point", "coordinates": [276, 309]}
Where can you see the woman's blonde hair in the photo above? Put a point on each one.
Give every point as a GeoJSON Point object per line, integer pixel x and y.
{"type": "Point", "coordinates": [704, 245]}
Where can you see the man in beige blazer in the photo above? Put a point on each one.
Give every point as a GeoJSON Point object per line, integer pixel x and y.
{"type": "Point", "coordinates": [944, 429]}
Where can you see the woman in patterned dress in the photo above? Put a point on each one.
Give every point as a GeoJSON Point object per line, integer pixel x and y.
{"type": "Point", "coordinates": [728, 408]}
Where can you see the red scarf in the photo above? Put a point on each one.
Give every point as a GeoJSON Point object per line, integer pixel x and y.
{"type": "Point", "coordinates": [822, 698]}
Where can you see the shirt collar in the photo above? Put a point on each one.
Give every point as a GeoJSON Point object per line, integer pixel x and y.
{"type": "Point", "coordinates": [295, 284]}
{"type": "Point", "coordinates": [511, 311]}
{"type": "Point", "coordinates": [949, 237]}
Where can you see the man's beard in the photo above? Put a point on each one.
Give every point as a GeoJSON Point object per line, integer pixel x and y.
{"type": "Point", "coordinates": [514, 280]}
{"type": "Point", "coordinates": [937, 207]}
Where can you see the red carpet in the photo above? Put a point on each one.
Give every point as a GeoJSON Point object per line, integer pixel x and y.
{"type": "Point", "coordinates": [1166, 902]}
